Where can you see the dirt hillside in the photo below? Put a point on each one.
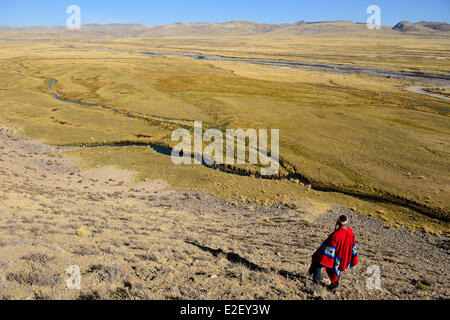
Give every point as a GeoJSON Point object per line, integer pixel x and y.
{"type": "Point", "coordinates": [147, 241]}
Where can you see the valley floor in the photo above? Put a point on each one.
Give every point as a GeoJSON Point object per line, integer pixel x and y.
{"type": "Point", "coordinates": [147, 241]}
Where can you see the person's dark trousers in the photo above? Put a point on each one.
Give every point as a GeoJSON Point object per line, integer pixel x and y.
{"type": "Point", "coordinates": [334, 285]}
{"type": "Point", "coordinates": [317, 278]}
{"type": "Point", "coordinates": [317, 274]}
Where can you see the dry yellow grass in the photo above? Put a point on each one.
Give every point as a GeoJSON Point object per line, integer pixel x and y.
{"type": "Point", "coordinates": [338, 131]}
{"type": "Point", "coordinates": [145, 240]}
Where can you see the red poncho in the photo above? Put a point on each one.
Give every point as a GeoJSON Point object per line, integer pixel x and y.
{"type": "Point", "coordinates": [337, 253]}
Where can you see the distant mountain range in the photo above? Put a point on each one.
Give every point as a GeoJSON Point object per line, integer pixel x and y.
{"type": "Point", "coordinates": [422, 27]}
{"type": "Point", "coordinates": [239, 28]}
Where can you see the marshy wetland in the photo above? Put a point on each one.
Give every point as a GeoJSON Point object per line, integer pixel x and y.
{"type": "Point", "coordinates": [359, 140]}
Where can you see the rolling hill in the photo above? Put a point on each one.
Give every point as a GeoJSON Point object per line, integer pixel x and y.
{"type": "Point", "coordinates": [232, 28]}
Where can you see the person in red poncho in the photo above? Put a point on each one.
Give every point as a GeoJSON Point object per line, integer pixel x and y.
{"type": "Point", "coordinates": [336, 254]}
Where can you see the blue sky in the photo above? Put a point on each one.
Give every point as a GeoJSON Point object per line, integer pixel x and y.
{"type": "Point", "coordinates": [150, 12]}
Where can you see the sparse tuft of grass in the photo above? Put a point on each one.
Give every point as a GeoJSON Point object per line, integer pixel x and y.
{"type": "Point", "coordinates": [37, 258]}
{"type": "Point", "coordinates": [422, 287]}
{"type": "Point", "coordinates": [82, 232]}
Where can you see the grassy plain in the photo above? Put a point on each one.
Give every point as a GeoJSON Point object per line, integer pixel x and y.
{"type": "Point", "coordinates": [146, 240]}
{"type": "Point", "coordinates": [348, 133]}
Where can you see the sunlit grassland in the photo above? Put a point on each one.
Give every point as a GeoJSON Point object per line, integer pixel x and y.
{"type": "Point", "coordinates": [369, 48]}
{"type": "Point", "coordinates": [151, 165]}
{"type": "Point", "coordinates": [39, 115]}
{"type": "Point", "coordinates": [335, 130]}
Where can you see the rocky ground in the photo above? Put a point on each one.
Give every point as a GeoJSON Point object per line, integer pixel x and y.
{"type": "Point", "coordinates": [147, 241]}
{"type": "Point", "coordinates": [423, 90]}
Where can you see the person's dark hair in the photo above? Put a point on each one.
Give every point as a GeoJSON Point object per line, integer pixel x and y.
{"type": "Point", "coordinates": [342, 221]}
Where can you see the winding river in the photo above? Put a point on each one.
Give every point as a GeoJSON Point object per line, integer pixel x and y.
{"type": "Point", "coordinates": [441, 80]}
{"type": "Point", "coordinates": [325, 67]}
{"type": "Point", "coordinates": [378, 196]}
{"type": "Point", "coordinates": [160, 149]}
